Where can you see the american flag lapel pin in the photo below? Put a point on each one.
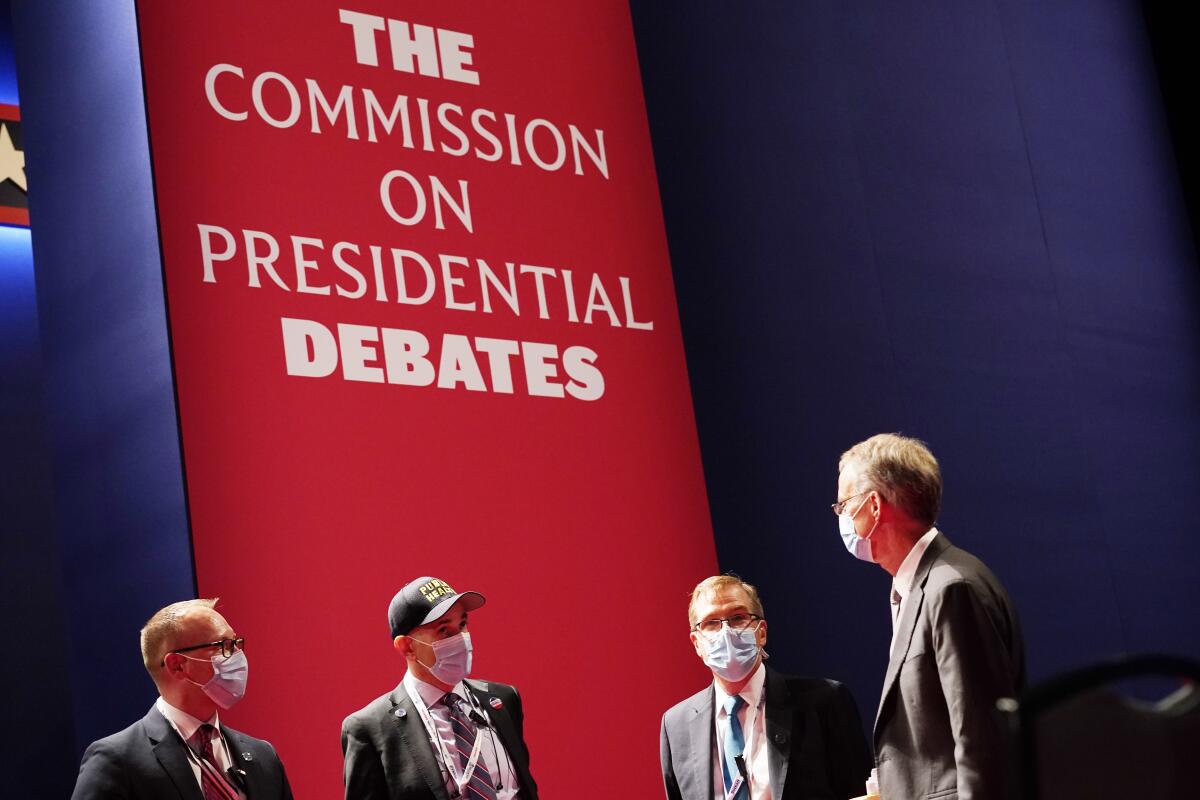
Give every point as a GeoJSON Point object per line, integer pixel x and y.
{"type": "Point", "coordinates": [496, 703]}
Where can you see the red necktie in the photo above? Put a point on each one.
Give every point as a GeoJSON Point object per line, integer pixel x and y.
{"type": "Point", "coordinates": [213, 782]}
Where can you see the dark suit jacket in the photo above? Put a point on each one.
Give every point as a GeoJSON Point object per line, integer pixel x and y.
{"type": "Point", "coordinates": [388, 755]}
{"type": "Point", "coordinates": [812, 727]}
{"type": "Point", "coordinates": [149, 760]}
{"type": "Point", "coordinates": [957, 649]}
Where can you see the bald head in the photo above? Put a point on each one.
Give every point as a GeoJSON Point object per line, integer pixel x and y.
{"type": "Point", "coordinates": [178, 625]}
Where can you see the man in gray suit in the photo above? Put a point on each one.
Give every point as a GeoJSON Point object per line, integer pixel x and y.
{"type": "Point", "coordinates": [754, 733]}
{"type": "Point", "coordinates": [956, 644]}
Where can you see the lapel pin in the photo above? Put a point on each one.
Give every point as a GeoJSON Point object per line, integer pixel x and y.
{"type": "Point", "coordinates": [400, 713]}
{"type": "Point", "coordinates": [496, 703]}
{"type": "Point", "coordinates": [247, 756]}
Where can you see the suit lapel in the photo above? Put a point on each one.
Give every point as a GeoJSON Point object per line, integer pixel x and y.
{"type": "Point", "coordinates": [244, 763]}
{"type": "Point", "coordinates": [782, 726]}
{"type": "Point", "coordinates": [502, 724]}
{"type": "Point", "coordinates": [171, 753]}
{"type": "Point", "coordinates": [415, 740]}
{"type": "Point", "coordinates": [908, 619]}
{"type": "Point", "coordinates": [702, 743]}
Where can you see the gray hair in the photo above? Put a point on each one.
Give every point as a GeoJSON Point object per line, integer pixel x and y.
{"type": "Point", "coordinates": [902, 470]}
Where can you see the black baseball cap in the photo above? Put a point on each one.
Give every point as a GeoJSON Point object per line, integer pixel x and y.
{"type": "Point", "coordinates": [423, 600]}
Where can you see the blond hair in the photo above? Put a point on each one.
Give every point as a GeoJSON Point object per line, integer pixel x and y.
{"type": "Point", "coordinates": [715, 584]}
{"type": "Point", "coordinates": [902, 470]}
{"type": "Point", "coordinates": [160, 631]}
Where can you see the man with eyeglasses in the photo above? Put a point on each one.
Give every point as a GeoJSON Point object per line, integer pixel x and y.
{"type": "Point", "coordinates": [180, 749]}
{"type": "Point", "coordinates": [438, 734]}
{"type": "Point", "coordinates": [754, 733]}
{"type": "Point", "coordinates": [956, 643]}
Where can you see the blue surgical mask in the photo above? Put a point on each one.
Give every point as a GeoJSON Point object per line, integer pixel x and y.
{"type": "Point", "coordinates": [732, 654]}
{"type": "Point", "coordinates": [452, 659]}
{"type": "Point", "coordinates": [228, 682]}
{"type": "Point", "coordinates": [858, 546]}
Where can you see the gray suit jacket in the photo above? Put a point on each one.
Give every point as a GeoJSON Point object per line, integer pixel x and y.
{"type": "Point", "coordinates": [148, 761]}
{"type": "Point", "coordinates": [817, 748]}
{"type": "Point", "coordinates": [388, 755]}
{"type": "Point", "coordinates": [957, 649]}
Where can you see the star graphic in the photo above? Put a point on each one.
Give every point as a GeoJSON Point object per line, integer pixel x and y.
{"type": "Point", "coordinates": [12, 160]}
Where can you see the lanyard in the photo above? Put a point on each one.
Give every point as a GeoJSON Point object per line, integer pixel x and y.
{"type": "Point", "coordinates": [194, 761]}
{"type": "Point", "coordinates": [431, 728]}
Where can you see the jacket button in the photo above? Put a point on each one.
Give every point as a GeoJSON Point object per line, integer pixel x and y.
{"type": "Point", "coordinates": [781, 738]}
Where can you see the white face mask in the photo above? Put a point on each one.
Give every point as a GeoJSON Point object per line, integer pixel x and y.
{"type": "Point", "coordinates": [732, 654]}
{"type": "Point", "coordinates": [858, 546]}
{"type": "Point", "coordinates": [452, 659]}
{"type": "Point", "coordinates": [228, 682]}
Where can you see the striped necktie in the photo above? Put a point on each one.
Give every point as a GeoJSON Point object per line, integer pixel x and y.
{"type": "Point", "coordinates": [480, 787]}
{"type": "Point", "coordinates": [735, 746]}
{"type": "Point", "coordinates": [213, 783]}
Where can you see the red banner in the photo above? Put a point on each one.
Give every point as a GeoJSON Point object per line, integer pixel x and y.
{"type": "Point", "coordinates": [423, 322]}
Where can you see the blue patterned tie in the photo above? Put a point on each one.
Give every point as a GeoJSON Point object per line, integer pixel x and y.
{"type": "Point", "coordinates": [735, 745]}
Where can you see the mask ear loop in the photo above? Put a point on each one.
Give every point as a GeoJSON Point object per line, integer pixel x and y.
{"type": "Point", "coordinates": [419, 661]}
{"type": "Point", "coordinates": [186, 677]}
{"type": "Point", "coordinates": [761, 648]}
{"type": "Point", "coordinates": [861, 506]}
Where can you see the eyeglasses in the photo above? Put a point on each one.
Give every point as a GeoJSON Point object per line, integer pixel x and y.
{"type": "Point", "coordinates": [228, 647]}
{"type": "Point", "coordinates": [840, 506]}
{"type": "Point", "coordinates": [738, 622]}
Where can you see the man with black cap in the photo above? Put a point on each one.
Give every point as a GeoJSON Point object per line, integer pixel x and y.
{"type": "Point", "coordinates": [437, 734]}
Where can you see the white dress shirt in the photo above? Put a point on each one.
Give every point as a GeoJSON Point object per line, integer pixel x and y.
{"type": "Point", "coordinates": [902, 582]}
{"type": "Point", "coordinates": [186, 726]}
{"type": "Point", "coordinates": [753, 718]}
{"type": "Point", "coordinates": [492, 754]}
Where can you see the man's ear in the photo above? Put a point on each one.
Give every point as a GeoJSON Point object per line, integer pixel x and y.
{"type": "Point", "coordinates": [874, 505]}
{"type": "Point", "coordinates": [173, 665]}
{"type": "Point", "coordinates": [761, 634]}
{"type": "Point", "coordinates": [403, 645]}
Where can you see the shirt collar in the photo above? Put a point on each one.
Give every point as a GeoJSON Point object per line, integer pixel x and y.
{"type": "Point", "coordinates": [182, 721]}
{"type": "Point", "coordinates": [429, 693]}
{"type": "Point", "coordinates": [751, 692]}
{"type": "Point", "coordinates": [902, 583]}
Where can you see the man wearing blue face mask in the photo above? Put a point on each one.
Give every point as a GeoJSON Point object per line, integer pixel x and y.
{"type": "Point", "coordinates": [754, 733]}
{"type": "Point", "coordinates": [437, 735]}
{"type": "Point", "coordinates": [956, 643]}
{"type": "Point", "coordinates": [180, 749]}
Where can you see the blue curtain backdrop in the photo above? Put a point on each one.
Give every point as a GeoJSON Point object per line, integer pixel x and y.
{"type": "Point", "coordinates": [961, 221]}
{"type": "Point", "coordinates": [37, 742]}
{"type": "Point", "coordinates": [106, 544]}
